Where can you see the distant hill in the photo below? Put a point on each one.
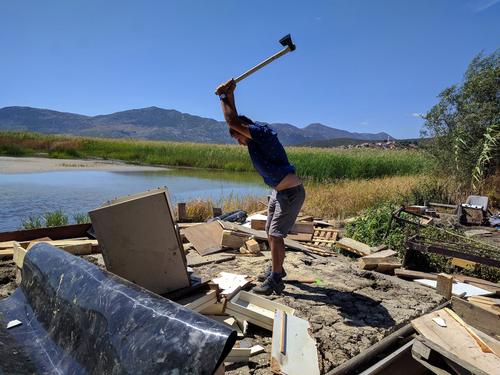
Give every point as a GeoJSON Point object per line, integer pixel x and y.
{"type": "Point", "coordinates": [336, 142]}
{"type": "Point", "coordinates": [157, 124]}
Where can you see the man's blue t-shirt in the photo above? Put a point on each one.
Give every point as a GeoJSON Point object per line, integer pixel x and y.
{"type": "Point", "coordinates": [267, 154]}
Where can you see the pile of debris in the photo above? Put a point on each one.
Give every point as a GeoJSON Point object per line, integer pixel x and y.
{"type": "Point", "coordinates": [141, 241]}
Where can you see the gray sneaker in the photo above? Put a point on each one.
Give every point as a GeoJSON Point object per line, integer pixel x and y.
{"type": "Point", "coordinates": [267, 272]}
{"type": "Point", "coordinates": [269, 286]}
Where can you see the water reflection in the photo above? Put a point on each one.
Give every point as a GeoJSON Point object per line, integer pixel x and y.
{"type": "Point", "coordinates": [31, 194]}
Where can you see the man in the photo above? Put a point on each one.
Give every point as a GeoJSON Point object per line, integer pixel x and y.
{"type": "Point", "coordinates": [270, 160]}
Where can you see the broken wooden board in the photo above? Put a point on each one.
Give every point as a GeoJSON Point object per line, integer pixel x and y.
{"type": "Point", "coordinates": [196, 260]}
{"type": "Point", "coordinates": [75, 247]}
{"type": "Point", "coordinates": [233, 240]}
{"type": "Point", "coordinates": [370, 262]}
{"type": "Point", "coordinates": [444, 285]}
{"type": "Point", "coordinates": [18, 254]}
{"type": "Point", "coordinates": [455, 343]}
{"type": "Point", "coordinates": [298, 227]}
{"type": "Point", "coordinates": [238, 355]}
{"type": "Point", "coordinates": [228, 321]}
{"type": "Point", "coordinates": [255, 309]}
{"type": "Point", "coordinates": [293, 349]}
{"type": "Point", "coordinates": [354, 246]}
{"type": "Point", "coordinates": [261, 235]}
{"type": "Point", "coordinates": [412, 275]}
{"type": "Point", "coordinates": [477, 317]}
{"type": "Point", "coordinates": [458, 288]}
{"type": "Point", "coordinates": [139, 241]}
{"type": "Point", "coordinates": [490, 304]}
{"type": "Point", "coordinates": [230, 283]}
{"type": "Point", "coordinates": [462, 263]}
{"type": "Point", "coordinates": [199, 301]}
{"type": "Point", "coordinates": [206, 238]}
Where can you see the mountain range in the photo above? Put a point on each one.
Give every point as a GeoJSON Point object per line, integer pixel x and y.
{"type": "Point", "coordinates": [157, 124]}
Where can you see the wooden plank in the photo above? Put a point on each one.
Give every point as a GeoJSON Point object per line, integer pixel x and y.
{"type": "Point", "coordinates": [398, 362]}
{"type": "Point", "coordinates": [238, 355]}
{"type": "Point", "coordinates": [261, 235]}
{"type": "Point", "coordinates": [455, 343]}
{"type": "Point", "coordinates": [206, 238]}
{"type": "Point", "coordinates": [19, 254]}
{"type": "Point", "coordinates": [293, 350]}
{"type": "Point", "coordinates": [230, 283]}
{"type": "Point", "coordinates": [56, 233]}
{"type": "Point", "coordinates": [258, 224]}
{"type": "Point", "coordinates": [196, 260]}
{"type": "Point", "coordinates": [444, 285]}
{"type": "Point", "coordinates": [233, 240]}
{"type": "Point", "coordinates": [354, 246]}
{"type": "Point", "coordinates": [199, 301]}
{"type": "Point", "coordinates": [303, 237]}
{"type": "Point", "coordinates": [421, 353]}
{"type": "Point", "coordinates": [411, 275]}
{"type": "Point", "coordinates": [255, 309]}
{"type": "Point", "coordinates": [181, 212]}
{"type": "Point", "coordinates": [462, 263]}
{"type": "Point", "coordinates": [252, 246]}
{"type": "Point", "coordinates": [371, 261]}
{"type": "Point", "coordinates": [482, 345]}
{"type": "Point", "coordinates": [298, 227]}
{"type": "Point", "coordinates": [75, 247]}
{"type": "Point", "coordinates": [139, 241]}
{"type": "Point", "coordinates": [477, 317]}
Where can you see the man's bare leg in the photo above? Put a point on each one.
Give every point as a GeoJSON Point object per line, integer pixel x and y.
{"type": "Point", "coordinates": [277, 245]}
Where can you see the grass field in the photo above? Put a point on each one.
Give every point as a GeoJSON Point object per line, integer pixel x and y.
{"type": "Point", "coordinates": [313, 163]}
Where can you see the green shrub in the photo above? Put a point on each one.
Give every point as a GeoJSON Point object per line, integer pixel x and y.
{"type": "Point", "coordinates": [55, 219]}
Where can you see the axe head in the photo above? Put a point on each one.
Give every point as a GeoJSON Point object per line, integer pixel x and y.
{"type": "Point", "coordinates": [286, 41]}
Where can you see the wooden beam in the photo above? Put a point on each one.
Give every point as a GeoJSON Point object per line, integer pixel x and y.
{"type": "Point", "coordinates": [411, 275]}
{"type": "Point", "coordinates": [477, 317]}
{"type": "Point", "coordinates": [444, 285]}
{"type": "Point", "coordinates": [181, 212]}
{"type": "Point", "coordinates": [56, 233]}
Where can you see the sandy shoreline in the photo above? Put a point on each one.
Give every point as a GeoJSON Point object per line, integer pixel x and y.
{"type": "Point", "coordinates": [35, 164]}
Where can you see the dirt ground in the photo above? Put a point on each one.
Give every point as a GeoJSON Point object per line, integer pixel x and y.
{"type": "Point", "coordinates": [349, 309]}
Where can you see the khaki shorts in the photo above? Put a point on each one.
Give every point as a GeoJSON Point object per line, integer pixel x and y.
{"type": "Point", "coordinates": [283, 209]}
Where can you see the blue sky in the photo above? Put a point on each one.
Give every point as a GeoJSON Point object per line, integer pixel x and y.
{"type": "Point", "coordinates": [365, 66]}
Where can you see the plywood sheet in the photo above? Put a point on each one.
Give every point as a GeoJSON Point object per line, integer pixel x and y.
{"type": "Point", "coordinates": [293, 349]}
{"type": "Point", "coordinates": [140, 243]}
{"type": "Point", "coordinates": [206, 238]}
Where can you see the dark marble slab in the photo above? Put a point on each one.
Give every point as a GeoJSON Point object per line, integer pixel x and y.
{"type": "Point", "coordinates": [78, 319]}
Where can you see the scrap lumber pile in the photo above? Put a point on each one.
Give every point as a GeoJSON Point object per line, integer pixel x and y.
{"type": "Point", "coordinates": [455, 340]}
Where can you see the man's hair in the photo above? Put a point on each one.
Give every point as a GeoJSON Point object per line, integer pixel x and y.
{"type": "Point", "coordinates": [244, 121]}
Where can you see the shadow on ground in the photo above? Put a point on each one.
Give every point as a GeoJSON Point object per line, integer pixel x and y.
{"type": "Point", "coordinates": [357, 310]}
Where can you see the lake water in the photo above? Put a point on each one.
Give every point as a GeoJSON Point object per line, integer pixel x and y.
{"type": "Point", "coordinates": [32, 194]}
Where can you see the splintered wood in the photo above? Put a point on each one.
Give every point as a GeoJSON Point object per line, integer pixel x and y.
{"type": "Point", "coordinates": [456, 342]}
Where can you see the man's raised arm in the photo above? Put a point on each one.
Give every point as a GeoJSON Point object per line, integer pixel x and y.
{"type": "Point", "coordinates": [226, 94]}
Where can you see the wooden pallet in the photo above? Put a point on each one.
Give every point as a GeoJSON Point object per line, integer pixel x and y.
{"type": "Point", "coordinates": [324, 238]}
